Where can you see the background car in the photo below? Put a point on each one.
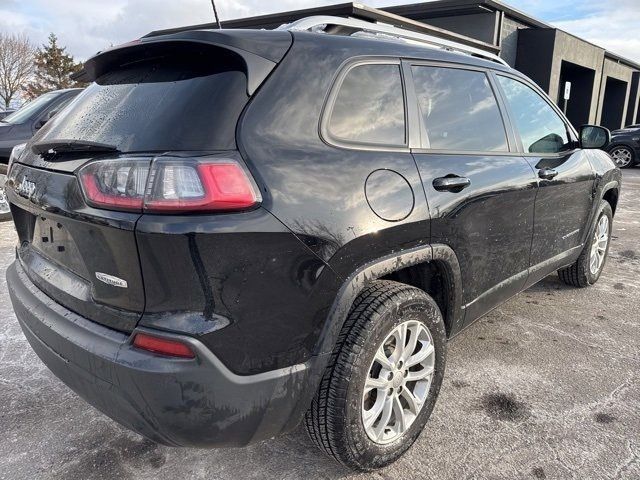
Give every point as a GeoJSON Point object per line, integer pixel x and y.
{"type": "Point", "coordinates": [625, 146]}
{"type": "Point", "coordinates": [21, 125]}
{"type": "Point", "coordinates": [4, 113]}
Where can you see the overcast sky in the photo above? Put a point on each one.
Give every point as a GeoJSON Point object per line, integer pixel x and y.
{"type": "Point", "coordinates": [87, 26]}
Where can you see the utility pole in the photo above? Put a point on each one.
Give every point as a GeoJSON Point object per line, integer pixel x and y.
{"type": "Point", "coordinates": [215, 12]}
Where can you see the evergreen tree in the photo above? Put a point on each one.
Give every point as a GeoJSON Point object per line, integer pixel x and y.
{"type": "Point", "coordinates": [53, 69]}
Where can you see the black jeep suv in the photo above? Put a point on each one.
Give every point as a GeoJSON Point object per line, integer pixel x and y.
{"type": "Point", "coordinates": [231, 231]}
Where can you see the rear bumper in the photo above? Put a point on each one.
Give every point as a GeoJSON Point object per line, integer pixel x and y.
{"type": "Point", "coordinates": [178, 402]}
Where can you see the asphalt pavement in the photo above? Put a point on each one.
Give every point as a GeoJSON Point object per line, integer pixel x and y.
{"type": "Point", "coordinates": [546, 386]}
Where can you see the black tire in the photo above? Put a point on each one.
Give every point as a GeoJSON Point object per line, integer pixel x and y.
{"type": "Point", "coordinates": [334, 420]}
{"type": "Point", "coordinates": [630, 153]}
{"type": "Point", "coordinates": [579, 273]}
{"type": "Point", "coordinates": [4, 217]}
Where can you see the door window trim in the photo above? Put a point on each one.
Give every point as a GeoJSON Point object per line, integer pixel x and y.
{"type": "Point", "coordinates": [334, 90]}
{"type": "Point", "coordinates": [412, 96]}
{"type": "Point", "coordinates": [572, 135]}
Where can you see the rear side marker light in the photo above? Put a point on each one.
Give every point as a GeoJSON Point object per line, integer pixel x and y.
{"type": "Point", "coordinates": [168, 185]}
{"type": "Point", "coordinates": [162, 346]}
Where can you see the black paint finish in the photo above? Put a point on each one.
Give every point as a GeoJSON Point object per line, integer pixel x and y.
{"type": "Point", "coordinates": [491, 242]}
{"type": "Point", "coordinates": [262, 294]}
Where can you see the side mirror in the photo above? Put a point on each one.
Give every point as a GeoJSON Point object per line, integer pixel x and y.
{"type": "Point", "coordinates": [41, 122]}
{"type": "Point", "coordinates": [592, 136]}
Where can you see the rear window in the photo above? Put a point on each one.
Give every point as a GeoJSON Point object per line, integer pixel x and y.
{"type": "Point", "coordinates": [369, 107]}
{"type": "Point", "coordinates": [185, 98]}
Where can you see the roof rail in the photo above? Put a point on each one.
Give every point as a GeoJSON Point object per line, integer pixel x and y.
{"type": "Point", "coordinates": [349, 26]}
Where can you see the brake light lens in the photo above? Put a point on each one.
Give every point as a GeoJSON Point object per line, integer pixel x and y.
{"type": "Point", "coordinates": [116, 184]}
{"type": "Point", "coordinates": [167, 185]}
{"type": "Point", "coordinates": [162, 346]}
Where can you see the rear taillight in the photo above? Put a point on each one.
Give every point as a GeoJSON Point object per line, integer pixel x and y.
{"type": "Point", "coordinates": [115, 184]}
{"type": "Point", "coordinates": [168, 185]}
{"type": "Point", "coordinates": [162, 346]}
{"type": "Point", "coordinates": [16, 153]}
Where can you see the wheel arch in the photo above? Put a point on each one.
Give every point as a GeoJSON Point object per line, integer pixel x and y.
{"type": "Point", "coordinates": [622, 143]}
{"type": "Point", "coordinates": [432, 268]}
{"type": "Point", "coordinates": [611, 194]}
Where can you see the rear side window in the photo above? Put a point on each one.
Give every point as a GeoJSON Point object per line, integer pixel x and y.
{"type": "Point", "coordinates": [541, 129]}
{"type": "Point", "coordinates": [176, 98]}
{"type": "Point", "coordinates": [459, 110]}
{"type": "Point", "coordinates": [369, 107]}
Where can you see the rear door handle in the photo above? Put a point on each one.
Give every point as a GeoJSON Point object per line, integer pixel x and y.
{"type": "Point", "coordinates": [547, 173]}
{"type": "Point", "coordinates": [451, 183]}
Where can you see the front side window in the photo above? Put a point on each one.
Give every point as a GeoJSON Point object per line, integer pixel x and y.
{"type": "Point", "coordinates": [369, 107]}
{"type": "Point", "coordinates": [27, 111]}
{"type": "Point", "coordinates": [541, 128]}
{"type": "Point", "coordinates": [459, 110]}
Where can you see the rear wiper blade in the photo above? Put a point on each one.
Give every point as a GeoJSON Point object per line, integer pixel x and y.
{"type": "Point", "coordinates": [66, 146]}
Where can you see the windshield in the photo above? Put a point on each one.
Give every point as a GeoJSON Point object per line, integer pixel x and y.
{"type": "Point", "coordinates": [183, 98]}
{"type": "Point", "coordinates": [30, 108]}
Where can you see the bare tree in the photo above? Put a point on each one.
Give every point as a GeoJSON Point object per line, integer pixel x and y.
{"type": "Point", "coordinates": [16, 65]}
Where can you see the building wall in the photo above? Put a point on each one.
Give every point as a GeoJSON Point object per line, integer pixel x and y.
{"type": "Point", "coordinates": [480, 26]}
{"type": "Point", "coordinates": [618, 71]}
{"type": "Point", "coordinates": [575, 50]}
{"type": "Point", "coordinates": [633, 107]}
{"type": "Point", "coordinates": [509, 39]}
{"type": "Point", "coordinates": [534, 55]}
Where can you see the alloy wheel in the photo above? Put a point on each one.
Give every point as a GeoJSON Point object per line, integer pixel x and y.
{"type": "Point", "coordinates": [622, 156]}
{"type": "Point", "coordinates": [599, 245]}
{"type": "Point", "coordinates": [398, 382]}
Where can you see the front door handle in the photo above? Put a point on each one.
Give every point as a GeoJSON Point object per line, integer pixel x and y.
{"type": "Point", "coordinates": [451, 183]}
{"type": "Point", "coordinates": [547, 173]}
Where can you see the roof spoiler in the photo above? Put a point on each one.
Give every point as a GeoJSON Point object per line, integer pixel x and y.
{"type": "Point", "coordinates": [259, 50]}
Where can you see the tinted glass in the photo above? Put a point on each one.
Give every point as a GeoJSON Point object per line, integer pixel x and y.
{"type": "Point", "coordinates": [31, 108]}
{"type": "Point", "coordinates": [184, 100]}
{"type": "Point", "coordinates": [369, 107]}
{"type": "Point", "coordinates": [540, 127]}
{"type": "Point", "coordinates": [593, 137]}
{"type": "Point", "coordinates": [459, 110]}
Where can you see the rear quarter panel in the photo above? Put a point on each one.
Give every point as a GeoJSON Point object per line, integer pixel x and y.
{"type": "Point", "coordinates": [315, 189]}
{"type": "Point", "coordinates": [608, 177]}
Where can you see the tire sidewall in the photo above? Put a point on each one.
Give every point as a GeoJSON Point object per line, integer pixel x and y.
{"type": "Point", "coordinates": [414, 305]}
{"type": "Point", "coordinates": [603, 210]}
